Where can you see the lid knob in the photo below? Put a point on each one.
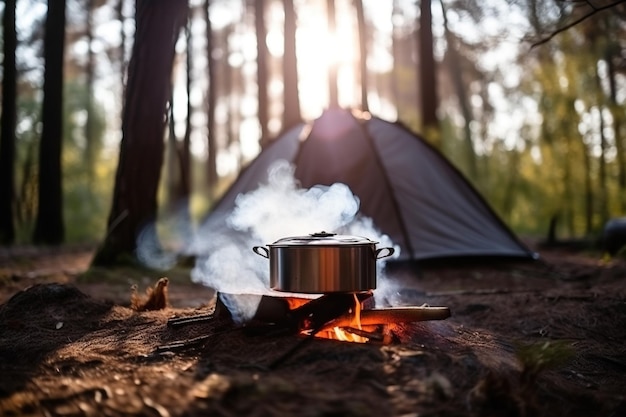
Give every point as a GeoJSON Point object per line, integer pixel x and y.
{"type": "Point", "coordinates": [322, 234]}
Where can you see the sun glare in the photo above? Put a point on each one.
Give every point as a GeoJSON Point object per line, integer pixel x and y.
{"type": "Point", "coordinates": [321, 50]}
{"type": "Point", "coordinates": [318, 51]}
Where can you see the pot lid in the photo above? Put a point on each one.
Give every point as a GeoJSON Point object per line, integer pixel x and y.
{"type": "Point", "coordinates": [323, 238]}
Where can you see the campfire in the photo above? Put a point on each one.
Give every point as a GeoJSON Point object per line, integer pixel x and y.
{"type": "Point", "coordinates": [343, 316]}
{"type": "Point", "coordinates": [321, 286]}
{"type": "Point", "coordinates": [354, 332]}
{"type": "Point", "coordinates": [343, 269]}
{"type": "Point", "coordinates": [349, 317]}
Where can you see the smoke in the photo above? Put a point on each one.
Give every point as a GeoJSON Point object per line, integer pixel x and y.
{"type": "Point", "coordinates": [150, 252]}
{"type": "Point", "coordinates": [278, 209]}
{"type": "Point", "coordinates": [158, 246]}
{"type": "Point", "coordinates": [281, 208]}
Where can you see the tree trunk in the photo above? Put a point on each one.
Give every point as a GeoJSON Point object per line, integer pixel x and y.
{"type": "Point", "coordinates": [589, 198]}
{"type": "Point", "coordinates": [211, 166]}
{"type": "Point", "coordinates": [291, 110]}
{"type": "Point", "coordinates": [49, 228]}
{"type": "Point", "coordinates": [179, 155]}
{"type": "Point", "coordinates": [122, 49]}
{"type": "Point", "coordinates": [603, 191]}
{"type": "Point", "coordinates": [508, 201]}
{"type": "Point", "coordinates": [333, 92]}
{"type": "Point", "coordinates": [26, 201]}
{"type": "Point", "coordinates": [569, 193]}
{"type": "Point", "coordinates": [173, 161]}
{"type": "Point", "coordinates": [185, 151]}
{"type": "Point", "coordinates": [141, 150]}
{"type": "Point", "coordinates": [362, 53]}
{"type": "Point", "coordinates": [233, 92]}
{"type": "Point", "coordinates": [89, 122]}
{"type": "Point", "coordinates": [395, 54]}
{"type": "Point", "coordinates": [612, 54]}
{"type": "Point", "coordinates": [7, 125]}
{"type": "Point", "coordinates": [262, 73]}
{"type": "Point", "coordinates": [427, 79]}
{"type": "Point", "coordinates": [456, 71]}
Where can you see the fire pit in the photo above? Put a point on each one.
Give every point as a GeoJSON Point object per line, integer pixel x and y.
{"type": "Point", "coordinates": [341, 316]}
{"type": "Point", "coordinates": [343, 269]}
{"type": "Point", "coordinates": [323, 287]}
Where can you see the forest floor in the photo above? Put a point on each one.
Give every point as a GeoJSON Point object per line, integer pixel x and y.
{"type": "Point", "coordinates": [529, 339]}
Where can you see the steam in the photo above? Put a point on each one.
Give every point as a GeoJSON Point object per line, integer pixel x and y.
{"type": "Point", "coordinates": [281, 208]}
{"type": "Point", "coordinates": [278, 209]}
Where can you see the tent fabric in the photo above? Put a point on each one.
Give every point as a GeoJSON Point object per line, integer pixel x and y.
{"type": "Point", "coordinates": [408, 188]}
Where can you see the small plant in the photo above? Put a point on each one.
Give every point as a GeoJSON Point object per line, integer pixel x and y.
{"type": "Point", "coordinates": [621, 253]}
{"type": "Point", "coordinates": [536, 358]}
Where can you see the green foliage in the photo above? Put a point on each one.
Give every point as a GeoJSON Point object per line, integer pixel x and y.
{"type": "Point", "coordinates": [28, 131]}
{"type": "Point", "coordinates": [551, 167]}
{"type": "Point", "coordinates": [536, 358]}
{"type": "Point", "coordinates": [86, 204]}
{"type": "Point", "coordinates": [86, 186]}
{"type": "Point", "coordinates": [87, 173]}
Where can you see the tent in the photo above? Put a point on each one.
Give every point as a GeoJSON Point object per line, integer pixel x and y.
{"type": "Point", "coordinates": [410, 190]}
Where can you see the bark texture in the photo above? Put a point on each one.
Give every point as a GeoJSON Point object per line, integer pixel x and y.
{"type": "Point", "coordinates": [142, 147]}
{"type": "Point", "coordinates": [49, 227]}
{"type": "Point", "coordinates": [7, 125]}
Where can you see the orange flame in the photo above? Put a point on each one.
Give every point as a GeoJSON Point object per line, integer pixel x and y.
{"type": "Point", "coordinates": [338, 333]}
{"type": "Point", "coordinates": [295, 302]}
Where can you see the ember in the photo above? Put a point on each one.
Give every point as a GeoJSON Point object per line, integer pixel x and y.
{"type": "Point", "coordinates": [336, 316]}
{"type": "Point", "coordinates": [347, 317]}
{"type": "Point", "coordinates": [347, 334]}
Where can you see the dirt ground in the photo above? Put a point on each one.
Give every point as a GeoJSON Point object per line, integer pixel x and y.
{"type": "Point", "coordinates": [526, 339]}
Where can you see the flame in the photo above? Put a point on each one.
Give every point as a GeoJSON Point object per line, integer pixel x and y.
{"type": "Point", "coordinates": [295, 302]}
{"type": "Point", "coordinates": [338, 333]}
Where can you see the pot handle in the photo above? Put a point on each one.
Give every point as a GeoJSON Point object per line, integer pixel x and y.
{"type": "Point", "coordinates": [261, 251]}
{"type": "Point", "coordinates": [389, 252]}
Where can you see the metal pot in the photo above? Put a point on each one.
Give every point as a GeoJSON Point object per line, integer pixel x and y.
{"type": "Point", "coordinates": [323, 263]}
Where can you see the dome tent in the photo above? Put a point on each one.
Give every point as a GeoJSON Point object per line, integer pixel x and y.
{"type": "Point", "coordinates": [409, 189]}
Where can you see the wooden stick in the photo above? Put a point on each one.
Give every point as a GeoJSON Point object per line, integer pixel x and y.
{"type": "Point", "coordinates": [295, 348]}
{"type": "Point", "coordinates": [181, 321]}
{"type": "Point", "coordinates": [391, 316]}
{"type": "Point", "coordinates": [364, 333]}
{"type": "Point", "coordinates": [181, 344]}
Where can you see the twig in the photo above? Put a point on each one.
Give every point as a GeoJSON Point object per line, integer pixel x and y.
{"type": "Point", "coordinates": [577, 21]}
{"type": "Point", "coordinates": [180, 344]}
{"type": "Point", "coordinates": [288, 354]}
{"type": "Point", "coordinates": [363, 333]}
{"type": "Point", "coordinates": [181, 321]}
{"type": "Point", "coordinates": [392, 315]}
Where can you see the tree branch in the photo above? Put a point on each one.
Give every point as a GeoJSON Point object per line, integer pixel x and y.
{"type": "Point", "coordinates": [594, 10]}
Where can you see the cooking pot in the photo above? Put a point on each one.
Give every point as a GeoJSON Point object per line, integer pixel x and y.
{"type": "Point", "coordinates": [323, 263]}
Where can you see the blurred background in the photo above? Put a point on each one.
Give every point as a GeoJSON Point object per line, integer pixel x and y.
{"type": "Point", "coordinates": [525, 97]}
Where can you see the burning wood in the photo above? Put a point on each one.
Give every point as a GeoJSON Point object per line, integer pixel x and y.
{"type": "Point", "coordinates": [344, 334]}
{"type": "Point", "coordinates": [379, 337]}
{"type": "Point", "coordinates": [313, 315]}
{"type": "Point", "coordinates": [391, 315]}
{"type": "Point", "coordinates": [338, 316]}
